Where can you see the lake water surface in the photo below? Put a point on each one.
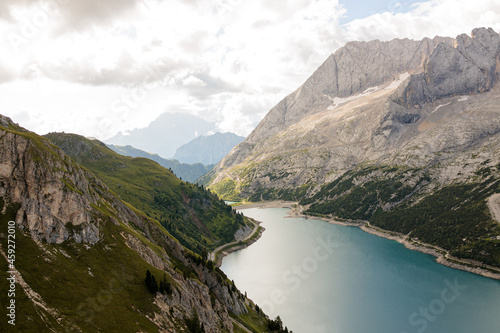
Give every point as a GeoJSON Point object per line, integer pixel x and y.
{"type": "Point", "coordinates": [320, 277]}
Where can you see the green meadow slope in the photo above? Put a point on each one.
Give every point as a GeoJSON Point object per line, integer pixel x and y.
{"type": "Point", "coordinates": [196, 217]}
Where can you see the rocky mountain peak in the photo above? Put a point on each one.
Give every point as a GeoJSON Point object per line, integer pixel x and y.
{"type": "Point", "coordinates": [6, 122]}
{"type": "Point", "coordinates": [351, 70]}
{"type": "Point", "coordinates": [366, 102]}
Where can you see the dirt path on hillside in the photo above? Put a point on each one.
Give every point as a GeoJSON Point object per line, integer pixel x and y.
{"type": "Point", "coordinates": [494, 205]}
{"type": "Point", "coordinates": [240, 326]}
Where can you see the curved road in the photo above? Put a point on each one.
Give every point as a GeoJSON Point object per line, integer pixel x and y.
{"type": "Point", "coordinates": [213, 255]}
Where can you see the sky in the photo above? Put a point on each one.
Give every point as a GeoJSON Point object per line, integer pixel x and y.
{"type": "Point", "coordinates": [97, 67]}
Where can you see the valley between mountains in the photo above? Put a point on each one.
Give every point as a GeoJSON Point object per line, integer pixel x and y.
{"type": "Point", "coordinates": [402, 134]}
{"type": "Point", "coordinates": [400, 137]}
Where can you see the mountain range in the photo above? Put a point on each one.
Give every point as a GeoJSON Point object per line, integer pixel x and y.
{"type": "Point", "coordinates": [403, 134]}
{"type": "Point", "coordinates": [93, 241]}
{"type": "Point", "coordinates": [165, 134]}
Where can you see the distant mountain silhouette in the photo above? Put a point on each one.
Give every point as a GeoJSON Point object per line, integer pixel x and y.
{"type": "Point", "coordinates": [164, 135]}
{"type": "Point", "coordinates": [207, 149]}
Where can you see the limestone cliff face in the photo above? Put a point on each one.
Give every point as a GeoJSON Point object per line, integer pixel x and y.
{"type": "Point", "coordinates": [408, 103]}
{"type": "Point", "coordinates": [52, 191]}
{"type": "Point", "coordinates": [349, 71]}
{"type": "Point", "coordinates": [65, 209]}
{"type": "Point", "coordinates": [467, 67]}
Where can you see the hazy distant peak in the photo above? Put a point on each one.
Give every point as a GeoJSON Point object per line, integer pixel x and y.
{"type": "Point", "coordinates": [164, 135]}
{"type": "Point", "coordinates": [208, 149]}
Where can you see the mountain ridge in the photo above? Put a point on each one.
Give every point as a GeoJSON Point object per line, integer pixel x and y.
{"type": "Point", "coordinates": [165, 134]}
{"type": "Point", "coordinates": [429, 131]}
{"type": "Point", "coordinates": [197, 218]}
{"type": "Point", "coordinates": [187, 172]}
{"type": "Point", "coordinates": [343, 79]}
{"type": "Point", "coordinates": [82, 253]}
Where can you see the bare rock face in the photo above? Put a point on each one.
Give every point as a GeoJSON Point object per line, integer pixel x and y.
{"type": "Point", "coordinates": [56, 197]}
{"type": "Point", "coordinates": [467, 67]}
{"type": "Point", "coordinates": [190, 294]}
{"type": "Point", "coordinates": [351, 70]}
{"type": "Point", "coordinates": [407, 103]}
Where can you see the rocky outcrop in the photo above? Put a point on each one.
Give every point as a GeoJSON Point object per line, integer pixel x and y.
{"type": "Point", "coordinates": [42, 181]}
{"type": "Point", "coordinates": [58, 199]}
{"type": "Point", "coordinates": [191, 294]}
{"type": "Point", "coordinates": [469, 67]}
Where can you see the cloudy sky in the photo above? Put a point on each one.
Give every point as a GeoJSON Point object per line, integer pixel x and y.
{"type": "Point", "coordinates": [97, 67]}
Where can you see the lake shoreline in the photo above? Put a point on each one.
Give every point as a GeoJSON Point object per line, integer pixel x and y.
{"type": "Point", "coordinates": [235, 248]}
{"type": "Point", "coordinates": [442, 256]}
{"type": "Point", "coordinates": [226, 249]}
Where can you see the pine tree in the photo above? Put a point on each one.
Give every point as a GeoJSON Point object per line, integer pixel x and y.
{"type": "Point", "coordinates": [167, 287]}
{"type": "Point", "coordinates": [154, 285]}
{"type": "Point", "coordinates": [161, 288]}
{"type": "Point", "coordinates": [148, 279]}
{"type": "Point", "coordinates": [193, 324]}
{"type": "Point", "coordinates": [279, 322]}
{"type": "Point", "coordinates": [151, 283]}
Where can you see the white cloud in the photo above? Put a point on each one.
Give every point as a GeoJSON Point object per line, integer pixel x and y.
{"type": "Point", "coordinates": [428, 19]}
{"type": "Point", "coordinates": [97, 67]}
{"type": "Point", "coordinates": [196, 50]}
{"type": "Point", "coordinates": [193, 81]}
{"type": "Point", "coordinates": [78, 13]}
{"type": "Point", "coordinates": [5, 74]}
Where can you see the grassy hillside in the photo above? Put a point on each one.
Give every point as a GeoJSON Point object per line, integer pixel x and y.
{"type": "Point", "coordinates": [187, 172]}
{"type": "Point", "coordinates": [94, 291]}
{"type": "Point", "coordinates": [77, 287]}
{"type": "Point", "coordinates": [196, 217]}
{"type": "Point", "coordinates": [99, 288]}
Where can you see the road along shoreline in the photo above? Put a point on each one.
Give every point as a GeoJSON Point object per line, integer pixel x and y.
{"type": "Point", "coordinates": [219, 253]}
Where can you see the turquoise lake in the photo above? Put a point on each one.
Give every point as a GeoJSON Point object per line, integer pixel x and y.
{"type": "Point", "coordinates": [320, 277]}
